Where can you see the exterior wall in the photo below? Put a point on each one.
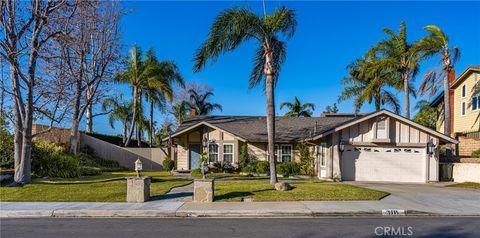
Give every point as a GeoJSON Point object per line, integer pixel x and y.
{"type": "Point", "coordinates": [467, 122]}
{"type": "Point", "coordinates": [151, 158]}
{"type": "Point", "coordinates": [196, 137]}
{"type": "Point", "coordinates": [440, 125]}
{"type": "Point", "coordinates": [399, 135]}
{"type": "Point", "coordinates": [466, 172]}
{"type": "Point", "coordinates": [467, 145]}
{"type": "Point", "coordinates": [56, 134]}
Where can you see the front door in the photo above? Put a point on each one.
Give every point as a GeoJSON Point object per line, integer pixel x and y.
{"type": "Point", "coordinates": [194, 155]}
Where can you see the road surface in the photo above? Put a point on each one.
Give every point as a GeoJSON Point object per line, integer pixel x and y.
{"type": "Point", "coordinates": [242, 227]}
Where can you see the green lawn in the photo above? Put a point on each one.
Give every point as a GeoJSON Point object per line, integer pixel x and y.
{"type": "Point", "coordinates": [108, 187]}
{"type": "Point", "coordinates": [466, 185]}
{"type": "Point", "coordinates": [303, 191]}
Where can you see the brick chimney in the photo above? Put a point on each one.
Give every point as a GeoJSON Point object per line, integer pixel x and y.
{"type": "Point", "coordinates": [193, 112]}
{"type": "Point", "coordinates": [451, 78]}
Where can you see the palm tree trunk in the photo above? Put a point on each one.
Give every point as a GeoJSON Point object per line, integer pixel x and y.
{"type": "Point", "coordinates": [150, 126]}
{"type": "Point", "coordinates": [377, 104]}
{"type": "Point", "coordinates": [134, 118]}
{"type": "Point", "coordinates": [271, 127]}
{"type": "Point", "coordinates": [124, 135]}
{"type": "Point", "coordinates": [407, 94]}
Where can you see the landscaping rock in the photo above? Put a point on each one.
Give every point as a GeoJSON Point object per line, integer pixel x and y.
{"type": "Point", "coordinates": [282, 186]}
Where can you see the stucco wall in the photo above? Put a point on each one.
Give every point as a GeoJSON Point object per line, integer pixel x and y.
{"type": "Point", "coordinates": [151, 158]}
{"type": "Point", "coordinates": [468, 121]}
{"type": "Point", "coordinates": [466, 172]}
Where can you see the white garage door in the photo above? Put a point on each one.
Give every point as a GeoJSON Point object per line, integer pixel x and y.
{"type": "Point", "coordinates": [383, 164]}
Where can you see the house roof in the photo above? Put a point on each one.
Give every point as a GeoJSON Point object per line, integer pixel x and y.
{"type": "Point", "coordinates": [437, 100]}
{"type": "Point", "coordinates": [464, 75]}
{"type": "Point", "coordinates": [391, 114]}
{"type": "Point", "coordinates": [290, 129]}
{"type": "Point", "coordinates": [254, 129]}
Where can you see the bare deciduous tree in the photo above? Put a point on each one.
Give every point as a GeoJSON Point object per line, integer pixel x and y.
{"type": "Point", "coordinates": [25, 32]}
{"type": "Point", "coordinates": [89, 53]}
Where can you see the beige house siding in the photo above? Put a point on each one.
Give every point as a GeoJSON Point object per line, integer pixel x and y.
{"type": "Point", "coordinates": [398, 132]}
{"type": "Point", "coordinates": [440, 125]}
{"type": "Point", "coordinates": [468, 121]}
{"type": "Point", "coordinates": [401, 136]}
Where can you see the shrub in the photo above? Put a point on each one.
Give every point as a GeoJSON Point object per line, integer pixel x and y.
{"type": "Point", "coordinates": [168, 164]}
{"type": "Point", "coordinates": [243, 158]}
{"type": "Point", "coordinates": [306, 160]}
{"type": "Point", "coordinates": [6, 147]}
{"type": "Point", "coordinates": [90, 171]}
{"type": "Point", "coordinates": [90, 160]}
{"type": "Point", "coordinates": [196, 172]}
{"type": "Point", "coordinates": [476, 154]}
{"type": "Point", "coordinates": [260, 167]}
{"type": "Point", "coordinates": [249, 169]}
{"type": "Point", "coordinates": [56, 165]}
{"type": "Point", "coordinates": [287, 169]}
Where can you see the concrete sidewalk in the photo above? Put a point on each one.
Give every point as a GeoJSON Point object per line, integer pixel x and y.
{"type": "Point", "coordinates": [223, 209]}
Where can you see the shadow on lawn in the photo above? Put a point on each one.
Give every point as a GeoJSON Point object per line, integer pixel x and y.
{"type": "Point", "coordinates": [233, 195]}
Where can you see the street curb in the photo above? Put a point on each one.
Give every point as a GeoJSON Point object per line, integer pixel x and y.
{"type": "Point", "coordinates": [111, 213]}
{"type": "Point", "coordinates": [26, 213]}
{"type": "Point", "coordinates": [206, 214]}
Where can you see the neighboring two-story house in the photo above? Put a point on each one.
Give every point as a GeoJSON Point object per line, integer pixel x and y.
{"type": "Point", "coordinates": [464, 110]}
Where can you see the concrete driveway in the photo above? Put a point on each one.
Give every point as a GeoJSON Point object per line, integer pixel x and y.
{"type": "Point", "coordinates": [433, 198]}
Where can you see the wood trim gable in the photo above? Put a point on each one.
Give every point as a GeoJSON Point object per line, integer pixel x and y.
{"type": "Point", "coordinates": [391, 114]}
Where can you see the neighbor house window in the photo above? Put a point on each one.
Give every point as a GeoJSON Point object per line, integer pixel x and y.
{"type": "Point", "coordinates": [286, 153]}
{"type": "Point", "coordinates": [475, 103]}
{"type": "Point", "coordinates": [228, 153]}
{"type": "Point", "coordinates": [464, 90]}
{"type": "Point", "coordinates": [463, 109]}
{"type": "Point", "coordinates": [322, 154]}
{"type": "Point", "coordinates": [213, 152]}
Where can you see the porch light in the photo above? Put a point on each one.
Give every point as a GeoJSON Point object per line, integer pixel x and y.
{"type": "Point", "coordinates": [138, 167]}
{"type": "Point", "coordinates": [341, 146]}
{"type": "Point", "coordinates": [430, 148]}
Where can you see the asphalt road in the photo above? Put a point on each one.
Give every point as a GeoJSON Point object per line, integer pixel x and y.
{"type": "Point", "coordinates": [242, 227]}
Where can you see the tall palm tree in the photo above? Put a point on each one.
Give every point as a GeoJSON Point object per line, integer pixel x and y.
{"type": "Point", "coordinates": [119, 110]}
{"type": "Point", "coordinates": [400, 55]}
{"type": "Point", "coordinates": [368, 83]}
{"type": "Point", "coordinates": [137, 74]}
{"type": "Point", "coordinates": [199, 103]}
{"type": "Point", "coordinates": [237, 25]}
{"type": "Point", "coordinates": [297, 109]}
{"type": "Point", "coordinates": [438, 44]}
{"type": "Point", "coordinates": [179, 111]}
{"type": "Point", "coordinates": [159, 86]}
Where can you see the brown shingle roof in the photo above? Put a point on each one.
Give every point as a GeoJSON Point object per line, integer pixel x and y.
{"type": "Point", "coordinates": [254, 128]}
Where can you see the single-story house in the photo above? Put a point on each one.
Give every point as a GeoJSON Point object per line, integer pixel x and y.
{"type": "Point", "coordinates": [380, 146]}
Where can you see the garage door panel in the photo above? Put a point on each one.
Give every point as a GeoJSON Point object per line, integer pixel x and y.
{"type": "Point", "coordinates": [383, 164]}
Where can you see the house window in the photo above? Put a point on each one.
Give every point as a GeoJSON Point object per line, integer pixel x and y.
{"type": "Point", "coordinates": [228, 153]}
{"type": "Point", "coordinates": [322, 154]}
{"type": "Point", "coordinates": [213, 152]}
{"type": "Point", "coordinates": [382, 128]}
{"type": "Point", "coordinates": [464, 90]}
{"type": "Point", "coordinates": [463, 109]}
{"type": "Point", "coordinates": [277, 152]}
{"type": "Point", "coordinates": [476, 103]}
{"type": "Point", "coordinates": [286, 153]}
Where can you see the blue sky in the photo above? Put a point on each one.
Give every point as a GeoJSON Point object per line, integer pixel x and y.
{"type": "Point", "coordinates": [329, 36]}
